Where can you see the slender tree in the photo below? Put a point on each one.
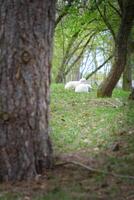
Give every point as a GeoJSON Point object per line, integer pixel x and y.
{"type": "Point", "coordinates": [118, 67]}
{"type": "Point", "coordinates": [26, 32]}
{"type": "Point", "coordinates": [127, 76]}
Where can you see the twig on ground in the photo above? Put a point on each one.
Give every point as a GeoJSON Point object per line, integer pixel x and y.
{"type": "Point", "coordinates": [95, 170]}
{"type": "Point", "coordinates": [112, 104]}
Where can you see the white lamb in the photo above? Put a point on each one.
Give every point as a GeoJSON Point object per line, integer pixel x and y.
{"type": "Point", "coordinates": [83, 88]}
{"type": "Point", "coordinates": [83, 80]}
{"type": "Point", "coordinates": [74, 84]}
{"type": "Point", "coordinates": [71, 85]}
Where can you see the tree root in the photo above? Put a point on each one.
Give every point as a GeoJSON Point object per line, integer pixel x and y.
{"type": "Point", "coordinates": [94, 170]}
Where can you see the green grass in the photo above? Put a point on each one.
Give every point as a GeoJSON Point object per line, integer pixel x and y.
{"type": "Point", "coordinates": [56, 195]}
{"type": "Point", "coordinates": [83, 121]}
{"type": "Point", "coordinates": [10, 196]}
{"type": "Point", "coordinates": [71, 194]}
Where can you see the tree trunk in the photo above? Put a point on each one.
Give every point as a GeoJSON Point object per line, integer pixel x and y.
{"type": "Point", "coordinates": [131, 96]}
{"type": "Point", "coordinates": [127, 74]}
{"type": "Point", "coordinates": [127, 77]}
{"type": "Point", "coordinates": [110, 82]}
{"type": "Point", "coordinates": [60, 78]}
{"type": "Point", "coordinates": [26, 31]}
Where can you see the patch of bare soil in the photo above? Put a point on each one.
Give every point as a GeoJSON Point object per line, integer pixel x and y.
{"type": "Point", "coordinates": [71, 175]}
{"type": "Point", "coordinates": [115, 103]}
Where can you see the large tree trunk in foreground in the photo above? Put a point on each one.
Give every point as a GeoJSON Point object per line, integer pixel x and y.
{"type": "Point", "coordinates": [118, 67]}
{"type": "Point", "coordinates": [26, 31]}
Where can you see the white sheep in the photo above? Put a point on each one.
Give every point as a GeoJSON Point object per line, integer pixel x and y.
{"type": "Point", "coordinates": [74, 84]}
{"type": "Point", "coordinates": [83, 88]}
{"type": "Point", "coordinates": [83, 80]}
{"type": "Point", "coordinates": [71, 85]}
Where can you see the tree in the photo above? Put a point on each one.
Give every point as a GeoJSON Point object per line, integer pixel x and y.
{"type": "Point", "coordinates": [98, 68]}
{"type": "Point", "coordinates": [26, 32]}
{"type": "Point", "coordinates": [75, 24]}
{"type": "Point", "coordinates": [118, 67]}
{"type": "Point", "coordinates": [127, 75]}
{"type": "Point", "coordinates": [73, 40]}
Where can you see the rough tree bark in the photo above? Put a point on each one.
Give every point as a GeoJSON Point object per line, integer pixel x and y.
{"type": "Point", "coordinates": [118, 67]}
{"type": "Point", "coordinates": [127, 74]}
{"type": "Point", "coordinates": [131, 96]}
{"type": "Point", "coordinates": [127, 77]}
{"type": "Point", "coordinates": [26, 31]}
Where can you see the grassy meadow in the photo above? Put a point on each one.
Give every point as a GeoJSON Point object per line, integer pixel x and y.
{"type": "Point", "coordinates": [96, 132]}
{"type": "Point", "coordinates": [82, 121]}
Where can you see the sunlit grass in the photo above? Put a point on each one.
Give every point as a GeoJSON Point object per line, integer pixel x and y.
{"type": "Point", "coordinates": [83, 121]}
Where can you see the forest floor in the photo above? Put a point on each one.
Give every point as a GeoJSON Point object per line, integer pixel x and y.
{"type": "Point", "coordinates": [93, 141]}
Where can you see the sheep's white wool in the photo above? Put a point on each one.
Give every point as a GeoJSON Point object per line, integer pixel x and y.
{"type": "Point", "coordinates": [83, 88]}
{"type": "Point", "coordinates": [71, 84]}
{"type": "Point", "coordinates": [83, 80]}
{"type": "Point", "coordinates": [82, 83]}
{"type": "Point", "coordinates": [89, 86]}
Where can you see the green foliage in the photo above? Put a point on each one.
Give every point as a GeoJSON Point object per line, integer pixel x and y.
{"type": "Point", "coordinates": [75, 22]}
{"type": "Point", "coordinates": [102, 19]}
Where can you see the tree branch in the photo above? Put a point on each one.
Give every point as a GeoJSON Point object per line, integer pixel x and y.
{"type": "Point", "coordinates": [114, 8]}
{"type": "Point", "coordinates": [89, 75]}
{"type": "Point", "coordinates": [64, 12]}
{"type": "Point", "coordinates": [79, 56]}
{"type": "Point", "coordinates": [106, 22]}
